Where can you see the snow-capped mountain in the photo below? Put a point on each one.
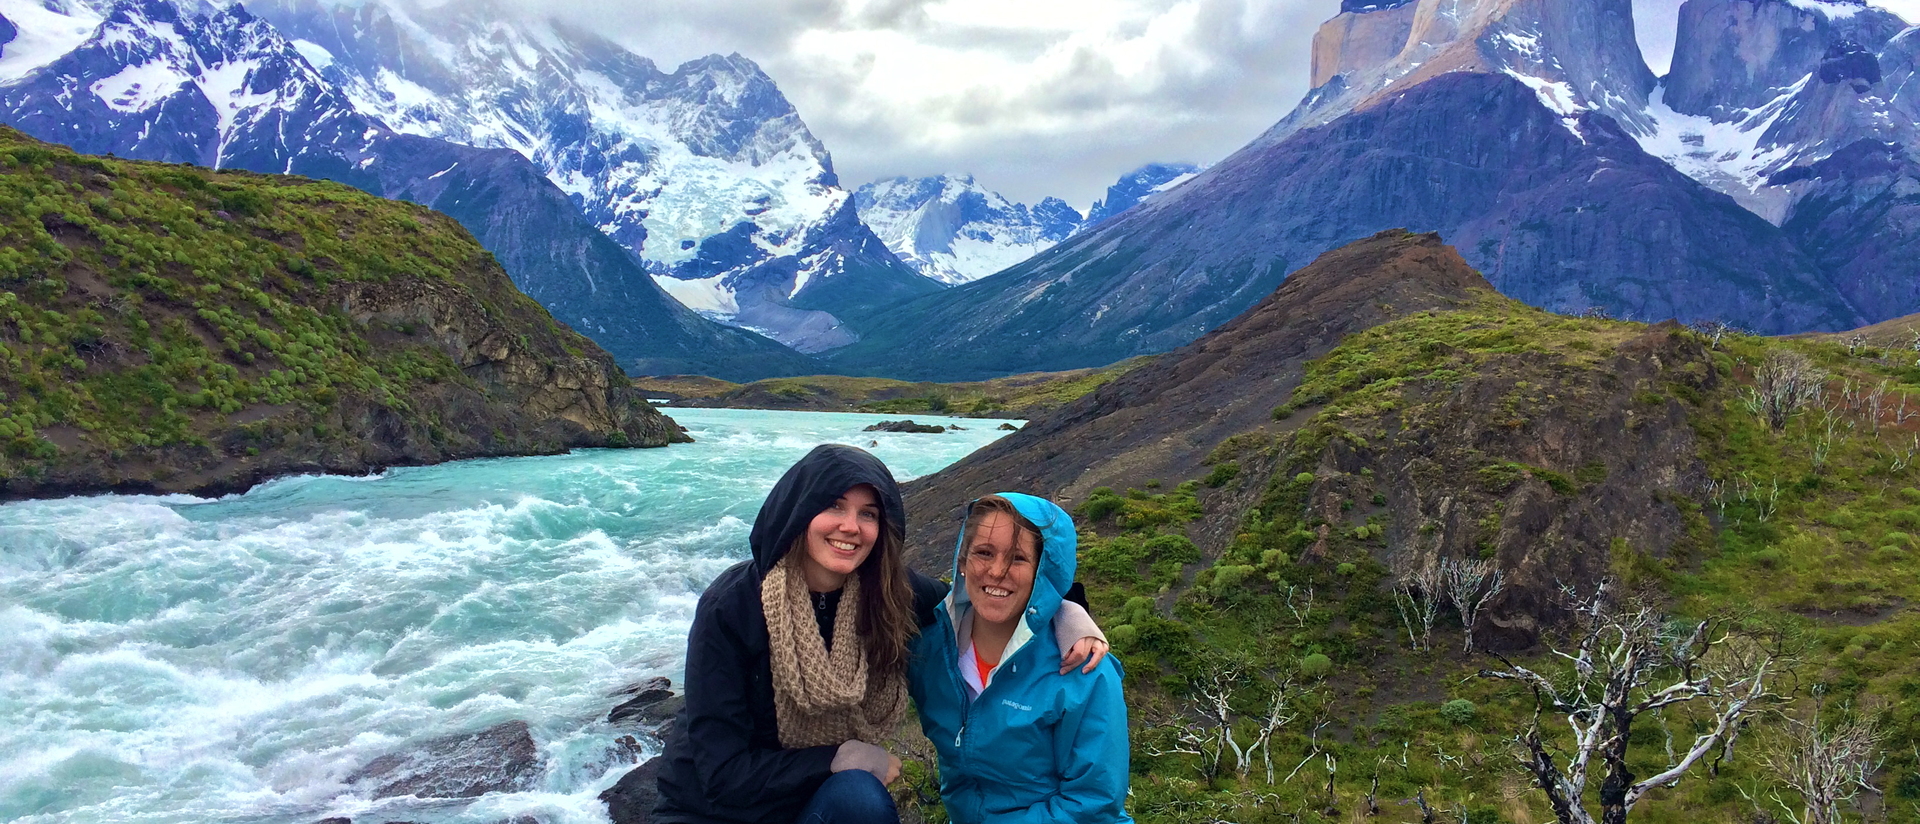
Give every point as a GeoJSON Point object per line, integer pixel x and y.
{"type": "Point", "coordinates": [954, 230]}
{"type": "Point", "coordinates": [706, 173]}
{"type": "Point", "coordinates": [1757, 87]}
{"type": "Point", "coordinates": [1136, 186]}
{"type": "Point", "coordinates": [225, 89]}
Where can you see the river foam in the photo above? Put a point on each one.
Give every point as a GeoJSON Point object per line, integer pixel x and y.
{"type": "Point", "coordinates": [179, 659]}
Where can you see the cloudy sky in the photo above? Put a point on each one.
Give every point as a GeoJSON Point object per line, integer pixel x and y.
{"type": "Point", "coordinates": [1033, 97]}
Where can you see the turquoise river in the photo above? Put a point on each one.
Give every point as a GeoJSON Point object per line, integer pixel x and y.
{"type": "Point", "coordinates": [179, 659]}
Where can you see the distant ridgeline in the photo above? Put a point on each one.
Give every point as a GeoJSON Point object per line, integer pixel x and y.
{"type": "Point", "coordinates": [1303, 531]}
{"type": "Point", "coordinates": [169, 328]}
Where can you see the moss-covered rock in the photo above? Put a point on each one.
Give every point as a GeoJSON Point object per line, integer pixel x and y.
{"type": "Point", "coordinates": [170, 328]}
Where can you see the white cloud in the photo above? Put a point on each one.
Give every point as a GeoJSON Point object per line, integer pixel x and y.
{"type": "Point", "coordinates": [1034, 97]}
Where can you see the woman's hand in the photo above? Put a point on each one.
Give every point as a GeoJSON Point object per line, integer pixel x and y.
{"type": "Point", "coordinates": [860, 755]}
{"type": "Point", "coordinates": [1089, 649]}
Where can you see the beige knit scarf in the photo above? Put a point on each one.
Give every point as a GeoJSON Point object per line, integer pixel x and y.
{"type": "Point", "coordinates": [824, 698]}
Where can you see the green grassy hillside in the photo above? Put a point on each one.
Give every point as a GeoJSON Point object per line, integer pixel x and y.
{"type": "Point", "coordinates": [171, 328]}
{"type": "Point", "coordinates": [1566, 451]}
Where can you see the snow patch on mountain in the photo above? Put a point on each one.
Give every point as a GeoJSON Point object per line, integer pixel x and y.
{"type": "Point", "coordinates": [46, 31]}
{"type": "Point", "coordinates": [1728, 155]}
{"type": "Point", "coordinates": [706, 173]}
{"type": "Point", "coordinates": [1833, 9]}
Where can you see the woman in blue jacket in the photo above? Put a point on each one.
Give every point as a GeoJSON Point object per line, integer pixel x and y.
{"type": "Point", "coordinates": [1019, 742]}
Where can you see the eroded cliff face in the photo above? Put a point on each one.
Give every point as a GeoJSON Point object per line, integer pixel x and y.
{"type": "Point", "coordinates": [1577, 55]}
{"type": "Point", "coordinates": [1733, 56]}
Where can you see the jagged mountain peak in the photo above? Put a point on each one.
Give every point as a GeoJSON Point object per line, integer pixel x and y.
{"type": "Point", "coordinates": [1136, 186]}
{"type": "Point", "coordinates": [1577, 55]}
{"type": "Point", "coordinates": [953, 229]}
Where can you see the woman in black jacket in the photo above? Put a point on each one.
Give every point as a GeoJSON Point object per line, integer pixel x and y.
{"type": "Point", "coordinates": [777, 705]}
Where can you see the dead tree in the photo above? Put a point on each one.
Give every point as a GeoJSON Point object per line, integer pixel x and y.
{"type": "Point", "coordinates": [1211, 737]}
{"type": "Point", "coordinates": [1470, 585]}
{"type": "Point", "coordinates": [1416, 595]}
{"type": "Point", "coordinates": [1631, 661]}
{"type": "Point", "coordinates": [1279, 714]}
{"type": "Point", "coordinates": [1786, 382]}
{"type": "Point", "coordinates": [1828, 763]}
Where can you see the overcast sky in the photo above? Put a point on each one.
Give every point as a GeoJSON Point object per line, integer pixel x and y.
{"type": "Point", "coordinates": [1033, 97]}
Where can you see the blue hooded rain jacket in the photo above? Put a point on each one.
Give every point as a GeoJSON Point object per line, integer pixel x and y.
{"type": "Point", "coordinates": [1035, 746]}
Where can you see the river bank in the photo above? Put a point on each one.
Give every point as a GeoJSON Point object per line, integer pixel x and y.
{"type": "Point", "coordinates": [184, 659]}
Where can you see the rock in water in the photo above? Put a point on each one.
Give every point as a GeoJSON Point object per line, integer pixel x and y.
{"type": "Point", "coordinates": [905, 426]}
{"type": "Point", "coordinates": [497, 759]}
{"type": "Point", "coordinates": [631, 800]}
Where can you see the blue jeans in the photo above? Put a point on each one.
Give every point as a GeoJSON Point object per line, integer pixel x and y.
{"type": "Point", "coordinates": [851, 797]}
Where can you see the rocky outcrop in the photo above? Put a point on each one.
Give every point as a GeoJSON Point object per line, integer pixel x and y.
{"type": "Point", "coordinates": [1538, 203]}
{"type": "Point", "coordinates": [1362, 38]}
{"type": "Point", "coordinates": [317, 330]}
{"type": "Point", "coordinates": [502, 758]}
{"type": "Point", "coordinates": [1537, 455]}
{"type": "Point", "coordinates": [630, 800]}
{"type": "Point", "coordinates": [906, 426]}
{"type": "Point", "coordinates": [1161, 420]}
{"type": "Point", "coordinates": [1577, 55]}
{"type": "Point", "coordinates": [7, 33]}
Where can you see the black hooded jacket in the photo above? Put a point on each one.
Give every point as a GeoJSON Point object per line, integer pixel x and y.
{"type": "Point", "coordinates": [723, 760]}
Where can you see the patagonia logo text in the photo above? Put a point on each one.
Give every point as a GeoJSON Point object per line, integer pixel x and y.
{"type": "Point", "coordinates": [1020, 707]}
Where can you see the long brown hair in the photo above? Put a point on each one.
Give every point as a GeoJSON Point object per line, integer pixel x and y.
{"type": "Point", "coordinates": [886, 623]}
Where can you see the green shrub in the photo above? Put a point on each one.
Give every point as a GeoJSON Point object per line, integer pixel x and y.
{"type": "Point", "coordinates": [1459, 712]}
{"type": "Point", "coordinates": [1229, 579]}
{"type": "Point", "coordinates": [1222, 473]}
{"type": "Point", "coordinates": [1303, 478]}
{"type": "Point", "coordinates": [1345, 570]}
{"type": "Point", "coordinates": [1123, 637]}
{"type": "Point", "coordinates": [1137, 609]}
{"type": "Point", "coordinates": [1316, 666]}
{"type": "Point", "coordinates": [1102, 503]}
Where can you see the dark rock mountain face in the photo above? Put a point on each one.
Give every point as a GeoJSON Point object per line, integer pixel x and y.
{"type": "Point", "coordinates": [1859, 217]}
{"type": "Point", "coordinates": [226, 90]}
{"type": "Point", "coordinates": [1738, 55]}
{"type": "Point", "coordinates": [7, 33]}
{"type": "Point", "coordinates": [1538, 208]}
{"type": "Point", "coordinates": [1162, 419]}
{"type": "Point", "coordinates": [584, 278]}
{"type": "Point", "coordinates": [1834, 97]}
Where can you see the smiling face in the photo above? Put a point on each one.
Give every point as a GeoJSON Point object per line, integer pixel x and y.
{"type": "Point", "coordinates": [840, 538]}
{"type": "Point", "coordinates": [1001, 560]}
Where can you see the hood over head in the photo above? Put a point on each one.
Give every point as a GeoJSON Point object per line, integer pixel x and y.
{"type": "Point", "coordinates": [811, 485]}
{"type": "Point", "coordinates": [1059, 557]}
